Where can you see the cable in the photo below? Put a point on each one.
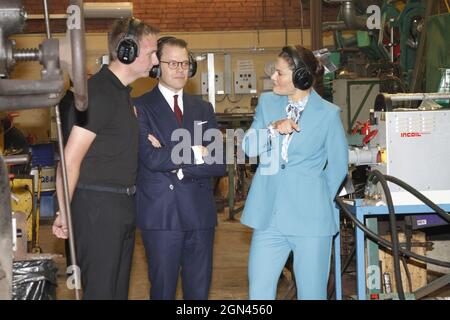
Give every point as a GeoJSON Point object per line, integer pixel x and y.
{"type": "Point", "coordinates": [235, 101]}
{"type": "Point", "coordinates": [442, 213]}
{"type": "Point", "coordinates": [383, 242]}
{"type": "Point", "coordinates": [221, 100]}
{"type": "Point", "coordinates": [379, 177]}
{"type": "Point", "coordinates": [408, 274]}
{"type": "Point", "coordinates": [446, 4]}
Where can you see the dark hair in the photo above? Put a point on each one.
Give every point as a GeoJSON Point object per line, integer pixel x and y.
{"type": "Point", "coordinates": [119, 30]}
{"type": "Point", "coordinates": [311, 63]}
{"type": "Point", "coordinates": [170, 41]}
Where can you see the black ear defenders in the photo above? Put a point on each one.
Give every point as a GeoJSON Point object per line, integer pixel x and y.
{"type": "Point", "coordinates": [155, 72]}
{"type": "Point", "coordinates": [128, 47]}
{"type": "Point", "coordinates": [301, 75]}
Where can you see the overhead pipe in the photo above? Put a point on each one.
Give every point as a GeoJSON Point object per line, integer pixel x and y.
{"type": "Point", "coordinates": [351, 21]}
{"type": "Point", "coordinates": [96, 10]}
{"type": "Point", "coordinates": [383, 101]}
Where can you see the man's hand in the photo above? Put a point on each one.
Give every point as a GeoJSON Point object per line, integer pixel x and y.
{"type": "Point", "coordinates": [199, 152]}
{"type": "Point", "coordinates": [204, 151]}
{"type": "Point", "coordinates": [286, 126]}
{"type": "Point", "coordinates": [59, 229]}
{"type": "Point", "coordinates": [155, 142]}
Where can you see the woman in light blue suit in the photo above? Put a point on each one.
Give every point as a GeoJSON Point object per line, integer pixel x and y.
{"type": "Point", "coordinates": [303, 156]}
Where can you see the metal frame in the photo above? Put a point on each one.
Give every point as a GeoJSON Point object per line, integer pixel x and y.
{"type": "Point", "coordinates": [362, 212]}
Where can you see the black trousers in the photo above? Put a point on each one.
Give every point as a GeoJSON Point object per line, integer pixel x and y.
{"type": "Point", "coordinates": [104, 232]}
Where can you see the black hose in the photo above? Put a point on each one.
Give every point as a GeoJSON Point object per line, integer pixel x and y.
{"type": "Point", "coordinates": [377, 176]}
{"type": "Point", "coordinates": [442, 213]}
{"type": "Point", "coordinates": [408, 274]}
{"type": "Point", "coordinates": [384, 243]}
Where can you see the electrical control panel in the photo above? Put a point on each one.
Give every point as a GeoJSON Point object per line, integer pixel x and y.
{"type": "Point", "coordinates": [218, 85]}
{"type": "Point", "coordinates": [245, 82]}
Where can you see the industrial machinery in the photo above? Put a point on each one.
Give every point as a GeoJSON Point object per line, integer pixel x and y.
{"type": "Point", "coordinates": [421, 137]}
{"type": "Point", "coordinates": [390, 45]}
{"type": "Point", "coordinates": [55, 56]}
{"type": "Point", "coordinates": [406, 151]}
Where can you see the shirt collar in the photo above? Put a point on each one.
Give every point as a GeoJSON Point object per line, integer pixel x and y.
{"type": "Point", "coordinates": [116, 81]}
{"type": "Point", "coordinates": [168, 95]}
{"type": "Point", "coordinates": [300, 103]}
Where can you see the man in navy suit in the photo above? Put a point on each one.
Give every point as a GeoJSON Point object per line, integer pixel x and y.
{"type": "Point", "coordinates": [175, 204]}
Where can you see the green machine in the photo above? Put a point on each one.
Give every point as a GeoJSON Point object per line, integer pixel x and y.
{"type": "Point", "coordinates": [401, 22]}
{"type": "Point", "coordinates": [437, 56]}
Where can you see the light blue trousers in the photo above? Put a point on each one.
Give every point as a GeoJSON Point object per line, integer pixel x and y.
{"type": "Point", "coordinates": [269, 251]}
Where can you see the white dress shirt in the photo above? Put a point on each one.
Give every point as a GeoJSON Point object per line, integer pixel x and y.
{"type": "Point", "coordinates": [168, 95]}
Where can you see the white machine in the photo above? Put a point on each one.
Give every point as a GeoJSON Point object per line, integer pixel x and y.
{"type": "Point", "coordinates": [417, 150]}
{"type": "Point", "coordinates": [413, 146]}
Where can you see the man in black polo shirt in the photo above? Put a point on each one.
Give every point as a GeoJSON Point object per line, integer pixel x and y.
{"type": "Point", "coordinates": [101, 159]}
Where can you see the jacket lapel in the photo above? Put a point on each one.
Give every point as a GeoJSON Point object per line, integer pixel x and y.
{"type": "Point", "coordinates": [188, 113]}
{"type": "Point", "coordinates": [164, 112]}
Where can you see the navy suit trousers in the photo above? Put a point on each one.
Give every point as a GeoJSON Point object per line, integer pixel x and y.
{"type": "Point", "coordinates": [169, 252]}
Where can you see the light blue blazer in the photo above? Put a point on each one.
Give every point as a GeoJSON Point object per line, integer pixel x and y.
{"type": "Point", "coordinates": [299, 193]}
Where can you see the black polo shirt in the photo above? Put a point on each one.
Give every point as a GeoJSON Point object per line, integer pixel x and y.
{"type": "Point", "coordinates": [113, 156]}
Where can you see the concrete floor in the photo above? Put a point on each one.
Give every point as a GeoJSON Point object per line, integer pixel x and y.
{"type": "Point", "coordinates": [229, 280]}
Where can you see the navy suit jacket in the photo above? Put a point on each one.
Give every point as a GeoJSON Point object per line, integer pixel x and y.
{"type": "Point", "coordinates": [163, 201]}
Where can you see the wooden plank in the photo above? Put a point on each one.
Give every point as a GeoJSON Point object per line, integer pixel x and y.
{"type": "Point", "coordinates": [417, 270]}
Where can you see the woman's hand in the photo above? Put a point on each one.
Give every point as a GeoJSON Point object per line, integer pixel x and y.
{"type": "Point", "coordinates": [285, 126]}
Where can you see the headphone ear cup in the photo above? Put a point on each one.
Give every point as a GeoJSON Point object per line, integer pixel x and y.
{"type": "Point", "coordinates": [155, 72]}
{"type": "Point", "coordinates": [192, 66]}
{"type": "Point", "coordinates": [302, 79]}
{"type": "Point", "coordinates": [127, 51]}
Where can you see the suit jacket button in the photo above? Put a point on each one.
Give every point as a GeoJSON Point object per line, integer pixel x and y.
{"type": "Point", "coordinates": [283, 166]}
{"type": "Point", "coordinates": [171, 187]}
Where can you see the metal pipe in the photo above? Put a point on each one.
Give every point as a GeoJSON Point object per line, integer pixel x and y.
{"type": "Point", "coordinates": [391, 44]}
{"type": "Point", "coordinates": [334, 25]}
{"type": "Point", "coordinates": [108, 10]}
{"type": "Point", "coordinates": [416, 96]}
{"type": "Point", "coordinates": [383, 101]}
{"type": "Point", "coordinates": [352, 20]}
{"type": "Point", "coordinates": [211, 81]}
{"type": "Point", "coordinates": [15, 87]}
{"type": "Point", "coordinates": [47, 21]}
{"type": "Point", "coordinates": [359, 157]}
{"type": "Point", "coordinates": [99, 10]}
{"type": "Point", "coordinates": [6, 253]}
{"type": "Point", "coordinates": [67, 215]}
{"type": "Point", "coordinates": [12, 103]}
{"type": "Point", "coordinates": [17, 159]}
{"type": "Point", "coordinates": [78, 48]}
{"type": "Point", "coordinates": [28, 54]}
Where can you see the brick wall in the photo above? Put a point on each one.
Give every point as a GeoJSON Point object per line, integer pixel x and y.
{"type": "Point", "coordinates": [193, 15]}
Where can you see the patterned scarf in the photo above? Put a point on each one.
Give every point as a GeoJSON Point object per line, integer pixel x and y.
{"type": "Point", "coordinates": [294, 110]}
